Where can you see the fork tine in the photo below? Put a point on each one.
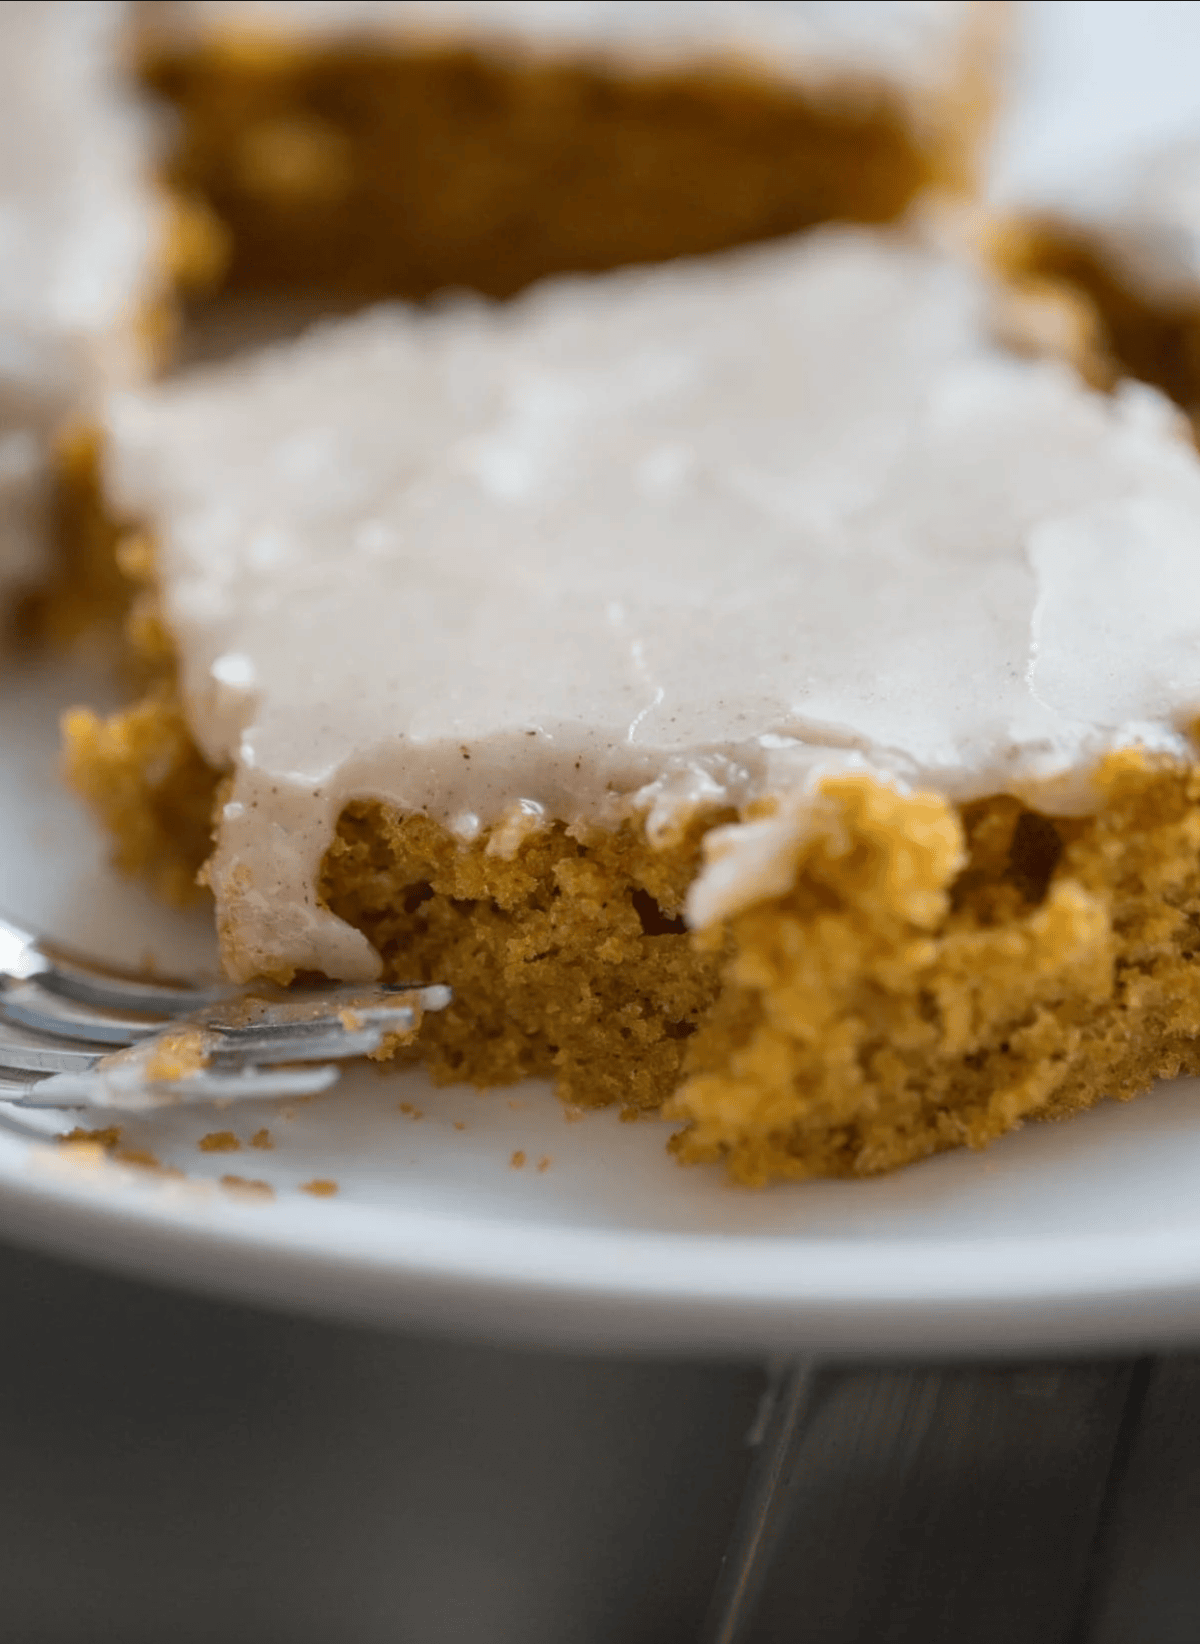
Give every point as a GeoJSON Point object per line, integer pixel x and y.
{"type": "Point", "coordinates": [261, 1007]}
{"type": "Point", "coordinates": [281, 1041]}
{"type": "Point", "coordinates": [347, 1021]}
{"type": "Point", "coordinates": [116, 990]}
{"type": "Point", "coordinates": [31, 1006]}
{"type": "Point", "coordinates": [108, 987]}
{"type": "Point", "coordinates": [271, 1050]}
{"type": "Point", "coordinates": [327, 1034]}
{"type": "Point", "coordinates": [128, 1091]}
{"type": "Point", "coordinates": [24, 1054]}
{"type": "Point", "coordinates": [16, 1082]}
{"type": "Point", "coordinates": [190, 1063]}
{"type": "Point", "coordinates": [17, 1120]}
{"type": "Point", "coordinates": [61, 1015]}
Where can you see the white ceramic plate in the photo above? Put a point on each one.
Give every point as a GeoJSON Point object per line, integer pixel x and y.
{"type": "Point", "coordinates": [1087, 1233]}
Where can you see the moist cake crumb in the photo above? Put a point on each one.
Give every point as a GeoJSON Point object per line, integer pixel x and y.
{"type": "Point", "coordinates": [177, 1053]}
{"type": "Point", "coordinates": [219, 1141]}
{"type": "Point", "coordinates": [108, 1136]}
{"type": "Point", "coordinates": [108, 1141]}
{"type": "Point", "coordinates": [320, 1187]}
{"type": "Point", "coordinates": [247, 1187]}
{"type": "Point", "coordinates": [142, 1158]}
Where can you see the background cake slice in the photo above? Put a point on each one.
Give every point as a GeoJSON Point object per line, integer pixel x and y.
{"type": "Point", "coordinates": [1127, 239]}
{"type": "Point", "coordinates": [745, 682]}
{"type": "Point", "coordinates": [370, 150]}
{"type": "Point", "coordinates": [83, 247]}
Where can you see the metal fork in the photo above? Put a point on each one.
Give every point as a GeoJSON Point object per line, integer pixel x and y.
{"type": "Point", "coordinates": [61, 1017]}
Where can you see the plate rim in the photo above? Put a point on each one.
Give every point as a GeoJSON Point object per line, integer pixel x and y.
{"type": "Point", "coordinates": [610, 1289]}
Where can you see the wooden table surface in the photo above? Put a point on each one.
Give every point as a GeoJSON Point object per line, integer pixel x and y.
{"type": "Point", "coordinates": [176, 1468]}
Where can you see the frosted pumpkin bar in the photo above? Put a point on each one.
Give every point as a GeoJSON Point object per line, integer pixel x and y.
{"type": "Point", "coordinates": [83, 245]}
{"type": "Point", "coordinates": [396, 148]}
{"type": "Point", "coordinates": [1128, 239]}
{"type": "Point", "coordinates": [757, 692]}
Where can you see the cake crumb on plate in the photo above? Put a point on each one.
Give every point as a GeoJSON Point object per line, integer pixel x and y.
{"type": "Point", "coordinates": [219, 1141]}
{"type": "Point", "coordinates": [248, 1187]}
{"type": "Point", "coordinates": [320, 1187]}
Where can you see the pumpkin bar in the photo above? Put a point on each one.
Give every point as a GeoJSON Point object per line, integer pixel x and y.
{"type": "Point", "coordinates": [84, 246]}
{"type": "Point", "coordinates": [360, 151]}
{"type": "Point", "coordinates": [764, 697]}
{"type": "Point", "coordinates": [1128, 242]}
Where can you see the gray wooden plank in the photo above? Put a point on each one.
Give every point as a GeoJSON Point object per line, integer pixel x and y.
{"type": "Point", "coordinates": [1146, 1586]}
{"type": "Point", "coordinates": [175, 1468]}
{"type": "Point", "coordinates": [940, 1505]}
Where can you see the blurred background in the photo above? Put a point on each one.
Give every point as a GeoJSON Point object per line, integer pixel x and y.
{"type": "Point", "coordinates": [176, 1467]}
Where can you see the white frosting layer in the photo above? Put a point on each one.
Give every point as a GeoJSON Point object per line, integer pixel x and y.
{"type": "Point", "coordinates": [77, 247]}
{"type": "Point", "coordinates": [659, 539]}
{"type": "Point", "coordinates": [916, 45]}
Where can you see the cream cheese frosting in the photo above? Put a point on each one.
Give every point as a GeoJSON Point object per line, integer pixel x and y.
{"type": "Point", "coordinates": [915, 45]}
{"type": "Point", "coordinates": [77, 244]}
{"type": "Point", "coordinates": [658, 540]}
